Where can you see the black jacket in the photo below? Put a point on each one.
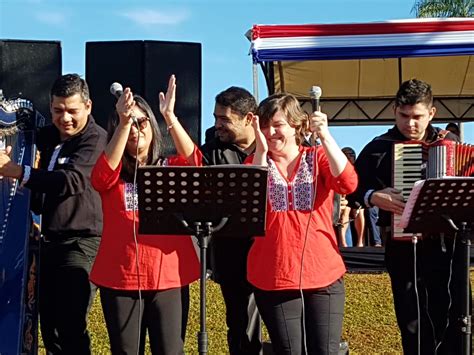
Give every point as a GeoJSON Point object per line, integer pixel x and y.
{"type": "Point", "coordinates": [374, 166]}
{"type": "Point", "coordinates": [70, 206]}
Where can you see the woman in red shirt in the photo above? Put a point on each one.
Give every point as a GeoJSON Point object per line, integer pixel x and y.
{"type": "Point", "coordinates": [297, 268]}
{"type": "Point", "coordinates": [143, 279]}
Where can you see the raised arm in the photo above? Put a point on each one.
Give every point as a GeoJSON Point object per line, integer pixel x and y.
{"type": "Point", "coordinates": [261, 147]}
{"type": "Point", "coordinates": [116, 147]}
{"type": "Point", "coordinates": [182, 141]}
{"type": "Point", "coordinates": [337, 159]}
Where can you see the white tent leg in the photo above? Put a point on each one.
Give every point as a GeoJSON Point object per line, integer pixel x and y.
{"type": "Point", "coordinates": [255, 80]}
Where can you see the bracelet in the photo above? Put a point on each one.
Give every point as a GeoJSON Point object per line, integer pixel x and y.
{"type": "Point", "coordinates": [367, 197]}
{"type": "Point", "coordinates": [171, 125]}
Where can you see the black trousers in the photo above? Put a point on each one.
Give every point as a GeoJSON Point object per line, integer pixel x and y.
{"type": "Point", "coordinates": [282, 313]}
{"type": "Point", "coordinates": [440, 306]}
{"type": "Point", "coordinates": [242, 318]}
{"type": "Point", "coordinates": [164, 314]}
{"type": "Point", "coordinates": [228, 261]}
{"type": "Point", "coordinates": [65, 294]}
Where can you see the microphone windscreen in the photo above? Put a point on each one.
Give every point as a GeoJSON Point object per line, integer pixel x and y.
{"type": "Point", "coordinates": [315, 92]}
{"type": "Point", "coordinates": [116, 89]}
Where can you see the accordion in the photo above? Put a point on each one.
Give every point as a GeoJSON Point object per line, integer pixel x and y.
{"type": "Point", "coordinates": [414, 161]}
{"type": "Point", "coordinates": [19, 234]}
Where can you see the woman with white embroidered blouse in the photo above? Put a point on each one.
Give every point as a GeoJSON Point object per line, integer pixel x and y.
{"type": "Point", "coordinates": [298, 261]}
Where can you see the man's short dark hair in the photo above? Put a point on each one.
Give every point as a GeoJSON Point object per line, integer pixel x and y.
{"type": "Point", "coordinates": [69, 85]}
{"type": "Point", "coordinates": [453, 128]}
{"type": "Point", "coordinates": [349, 151]}
{"type": "Point", "coordinates": [413, 92]}
{"type": "Point", "coordinates": [238, 99]}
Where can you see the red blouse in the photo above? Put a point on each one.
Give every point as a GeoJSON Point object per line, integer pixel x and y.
{"type": "Point", "coordinates": [274, 261]}
{"type": "Point", "coordinates": [164, 261]}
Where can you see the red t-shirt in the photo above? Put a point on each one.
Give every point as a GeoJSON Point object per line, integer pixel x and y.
{"type": "Point", "coordinates": [164, 261]}
{"type": "Point", "coordinates": [274, 261]}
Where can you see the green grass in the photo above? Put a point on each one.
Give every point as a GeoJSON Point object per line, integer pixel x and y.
{"type": "Point", "coordinates": [369, 321]}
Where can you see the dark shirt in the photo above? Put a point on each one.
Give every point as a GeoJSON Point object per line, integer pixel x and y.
{"type": "Point", "coordinates": [374, 166]}
{"type": "Point", "coordinates": [70, 206]}
{"type": "Point", "coordinates": [216, 152]}
{"type": "Point", "coordinates": [228, 255]}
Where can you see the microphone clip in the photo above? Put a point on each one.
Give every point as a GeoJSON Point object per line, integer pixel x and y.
{"type": "Point", "coordinates": [135, 122]}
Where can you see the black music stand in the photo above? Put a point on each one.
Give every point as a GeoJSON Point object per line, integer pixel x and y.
{"type": "Point", "coordinates": [209, 201]}
{"type": "Point", "coordinates": [446, 205]}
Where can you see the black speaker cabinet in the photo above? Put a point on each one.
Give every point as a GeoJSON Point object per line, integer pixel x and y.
{"type": "Point", "coordinates": [145, 67]}
{"type": "Point", "coordinates": [28, 69]}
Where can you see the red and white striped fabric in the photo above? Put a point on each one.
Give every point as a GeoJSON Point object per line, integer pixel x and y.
{"type": "Point", "coordinates": [401, 38]}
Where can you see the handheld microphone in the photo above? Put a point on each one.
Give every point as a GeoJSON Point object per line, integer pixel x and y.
{"type": "Point", "coordinates": [315, 94]}
{"type": "Point", "coordinates": [116, 89]}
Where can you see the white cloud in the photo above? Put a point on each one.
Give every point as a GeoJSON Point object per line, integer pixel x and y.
{"type": "Point", "coordinates": [145, 17]}
{"type": "Point", "coordinates": [51, 17]}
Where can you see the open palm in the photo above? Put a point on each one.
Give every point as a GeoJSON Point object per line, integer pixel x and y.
{"type": "Point", "coordinates": [260, 140]}
{"type": "Point", "coordinates": [167, 101]}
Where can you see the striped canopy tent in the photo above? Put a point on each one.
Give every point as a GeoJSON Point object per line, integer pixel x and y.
{"type": "Point", "coordinates": [359, 66]}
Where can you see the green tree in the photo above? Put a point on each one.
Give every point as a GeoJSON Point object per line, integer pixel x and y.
{"type": "Point", "coordinates": [444, 8]}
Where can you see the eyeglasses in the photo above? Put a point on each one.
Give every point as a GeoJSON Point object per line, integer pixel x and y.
{"type": "Point", "coordinates": [142, 122]}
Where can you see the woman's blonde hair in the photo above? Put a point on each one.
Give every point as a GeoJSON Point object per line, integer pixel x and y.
{"type": "Point", "coordinates": [290, 107]}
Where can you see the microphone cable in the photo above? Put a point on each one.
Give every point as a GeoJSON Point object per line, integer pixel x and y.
{"type": "Point", "coordinates": [414, 240]}
{"type": "Point", "coordinates": [300, 286]}
{"type": "Point", "coordinates": [135, 239]}
{"type": "Point", "coordinates": [116, 89]}
{"type": "Point", "coordinates": [437, 343]}
{"type": "Point", "coordinates": [450, 302]}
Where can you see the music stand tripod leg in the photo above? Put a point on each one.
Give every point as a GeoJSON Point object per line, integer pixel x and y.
{"type": "Point", "coordinates": [203, 236]}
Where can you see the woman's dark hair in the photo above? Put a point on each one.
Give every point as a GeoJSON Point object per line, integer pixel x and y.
{"type": "Point", "coordinates": [291, 108]}
{"type": "Point", "coordinates": [155, 151]}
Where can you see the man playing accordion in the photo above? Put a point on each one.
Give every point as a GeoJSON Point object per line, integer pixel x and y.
{"type": "Point", "coordinates": [437, 258]}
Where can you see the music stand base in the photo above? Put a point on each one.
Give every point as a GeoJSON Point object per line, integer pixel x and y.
{"type": "Point", "coordinates": [203, 236]}
{"type": "Point", "coordinates": [202, 343]}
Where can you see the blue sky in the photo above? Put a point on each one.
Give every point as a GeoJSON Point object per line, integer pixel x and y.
{"type": "Point", "coordinates": [219, 25]}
